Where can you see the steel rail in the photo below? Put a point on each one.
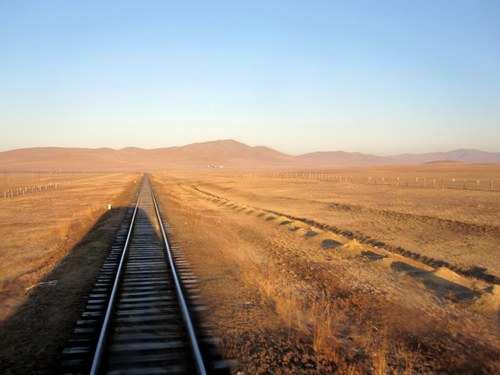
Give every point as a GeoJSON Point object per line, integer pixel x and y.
{"type": "Point", "coordinates": [96, 361]}
{"type": "Point", "coordinates": [200, 366]}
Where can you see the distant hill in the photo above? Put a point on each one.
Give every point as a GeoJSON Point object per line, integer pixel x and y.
{"type": "Point", "coordinates": [338, 158]}
{"type": "Point", "coordinates": [222, 154]}
{"type": "Point", "coordinates": [216, 154]}
{"type": "Point", "coordinates": [463, 155]}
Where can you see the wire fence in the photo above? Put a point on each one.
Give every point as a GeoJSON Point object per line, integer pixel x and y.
{"type": "Point", "coordinates": [398, 181]}
{"type": "Point", "coordinates": [30, 189]}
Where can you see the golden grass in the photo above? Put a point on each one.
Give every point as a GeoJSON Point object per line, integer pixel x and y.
{"type": "Point", "coordinates": [23, 183]}
{"type": "Point", "coordinates": [458, 226]}
{"type": "Point", "coordinates": [358, 314]}
{"type": "Point", "coordinates": [37, 230]}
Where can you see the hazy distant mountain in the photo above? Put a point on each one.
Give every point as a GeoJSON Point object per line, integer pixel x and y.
{"type": "Point", "coordinates": [338, 158]}
{"type": "Point", "coordinates": [215, 154]}
{"type": "Point", "coordinates": [221, 153]}
{"type": "Point", "coordinates": [228, 154]}
{"type": "Point", "coordinates": [463, 155]}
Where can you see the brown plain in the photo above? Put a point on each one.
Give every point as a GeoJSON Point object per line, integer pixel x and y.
{"type": "Point", "coordinates": [300, 275]}
{"type": "Point", "coordinates": [52, 243]}
{"type": "Point", "coordinates": [288, 292]}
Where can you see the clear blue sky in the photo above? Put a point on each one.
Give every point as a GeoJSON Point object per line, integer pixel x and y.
{"type": "Point", "coordinates": [373, 76]}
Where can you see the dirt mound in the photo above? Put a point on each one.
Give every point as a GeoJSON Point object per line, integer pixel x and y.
{"type": "Point", "coordinates": [447, 274]}
{"type": "Point", "coordinates": [489, 302]}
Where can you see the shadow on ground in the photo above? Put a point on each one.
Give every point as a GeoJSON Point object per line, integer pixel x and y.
{"type": "Point", "coordinates": [372, 256]}
{"type": "Point", "coordinates": [32, 338]}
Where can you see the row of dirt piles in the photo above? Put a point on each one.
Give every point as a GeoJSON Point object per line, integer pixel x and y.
{"type": "Point", "coordinates": [288, 297]}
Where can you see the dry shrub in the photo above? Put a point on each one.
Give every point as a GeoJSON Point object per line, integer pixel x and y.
{"type": "Point", "coordinates": [323, 332]}
{"type": "Point", "coordinates": [353, 329]}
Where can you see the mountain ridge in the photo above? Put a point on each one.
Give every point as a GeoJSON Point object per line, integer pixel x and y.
{"type": "Point", "coordinates": [226, 153]}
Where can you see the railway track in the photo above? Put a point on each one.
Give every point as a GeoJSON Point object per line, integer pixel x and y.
{"type": "Point", "coordinates": [138, 318]}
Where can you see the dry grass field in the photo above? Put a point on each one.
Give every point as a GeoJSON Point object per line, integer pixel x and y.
{"type": "Point", "coordinates": [16, 180]}
{"type": "Point", "coordinates": [310, 276]}
{"type": "Point", "coordinates": [52, 243]}
{"type": "Point", "coordinates": [300, 275]}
